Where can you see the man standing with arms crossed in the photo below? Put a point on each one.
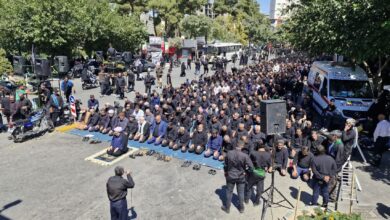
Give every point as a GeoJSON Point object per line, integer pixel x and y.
{"type": "Point", "coordinates": [117, 192]}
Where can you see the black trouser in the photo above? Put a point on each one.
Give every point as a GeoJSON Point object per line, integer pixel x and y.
{"type": "Point", "coordinates": [380, 147]}
{"type": "Point", "coordinates": [139, 70]}
{"type": "Point", "coordinates": [105, 88]}
{"type": "Point", "coordinates": [130, 86]}
{"type": "Point", "coordinates": [206, 70]}
{"type": "Point", "coordinates": [121, 92]}
{"type": "Point", "coordinates": [240, 192]}
{"type": "Point", "coordinates": [148, 89]}
{"type": "Point", "coordinates": [67, 95]}
{"type": "Point", "coordinates": [169, 80]}
{"type": "Point", "coordinates": [102, 88]}
{"type": "Point", "coordinates": [118, 210]}
{"type": "Point", "coordinates": [53, 116]}
{"type": "Point", "coordinates": [259, 183]}
{"type": "Point", "coordinates": [116, 153]}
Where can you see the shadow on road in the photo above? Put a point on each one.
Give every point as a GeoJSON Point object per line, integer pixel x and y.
{"type": "Point", "coordinates": [381, 173]}
{"type": "Point", "coordinates": [7, 206]}
{"type": "Point", "coordinates": [305, 196]}
{"type": "Point", "coordinates": [383, 210]}
{"type": "Point", "coordinates": [222, 196]}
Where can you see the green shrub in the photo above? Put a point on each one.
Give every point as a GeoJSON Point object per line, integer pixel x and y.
{"type": "Point", "coordinates": [321, 215]}
{"type": "Point", "coordinates": [5, 65]}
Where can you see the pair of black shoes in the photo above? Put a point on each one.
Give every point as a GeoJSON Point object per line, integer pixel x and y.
{"type": "Point", "coordinates": [254, 204]}
{"type": "Point", "coordinates": [227, 210]}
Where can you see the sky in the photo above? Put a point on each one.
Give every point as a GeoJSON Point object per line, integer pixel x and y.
{"type": "Point", "coordinates": [264, 6]}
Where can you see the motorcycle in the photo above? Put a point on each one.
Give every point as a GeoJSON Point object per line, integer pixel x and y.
{"type": "Point", "coordinates": [37, 124]}
{"type": "Point", "coordinates": [75, 71]}
{"type": "Point", "coordinates": [89, 81]}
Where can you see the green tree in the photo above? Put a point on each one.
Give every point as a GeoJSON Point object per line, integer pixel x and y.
{"type": "Point", "coordinates": [358, 29]}
{"type": "Point", "coordinates": [189, 7]}
{"type": "Point", "coordinates": [168, 12]}
{"type": "Point", "coordinates": [133, 7]}
{"type": "Point", "coordinates": [195, 25]}
{"type": "Point", "coordinates": [226, 30]}
{"type": "Point", "coordinates": [58, 27]}
{"type": "Point", "coordinates": [5, 65]}
{"type": "Point", "coordinates": [243, 20]}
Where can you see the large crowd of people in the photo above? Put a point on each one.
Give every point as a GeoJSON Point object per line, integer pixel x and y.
{"type": "Point", "coordinates": [219, 115]}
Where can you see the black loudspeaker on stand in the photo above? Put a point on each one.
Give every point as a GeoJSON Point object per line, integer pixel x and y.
{"type": "Point", "coordinates": [42, 67]}
{"type": "Point", "coordinates": [273, 122]}
{"type": "Point", "coordinates": [19, 64]}
{"type": "Point", "coordinates": [61, 63]}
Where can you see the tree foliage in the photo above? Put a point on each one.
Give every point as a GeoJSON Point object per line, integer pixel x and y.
{"type": "Point", "coordinates": [358, 29]}
{"type": "Point", "coordinates": [243, 20]}
{"type": "Point", "coordinates": [196, 25]}
{"type": "Point", "coordinates": [5, 65]}
{"type": "Point", "coordinates": [57, 27]}
{"type": "Point", "coordinates": [168, 12]}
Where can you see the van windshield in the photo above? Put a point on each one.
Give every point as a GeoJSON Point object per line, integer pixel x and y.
{"type": "Point", "coordinates": [350, 89]}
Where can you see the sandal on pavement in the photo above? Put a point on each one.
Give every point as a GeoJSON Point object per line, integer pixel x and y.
{"type": "Point", "coordinates": [196, 167]}
{"type": "Point", "coordinates": [212, 172]}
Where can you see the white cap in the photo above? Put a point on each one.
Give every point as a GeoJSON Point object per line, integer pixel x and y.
{"type": "Point", "coordinates": [118, 129]}
{"type": "Point", "coordinates": [111, 111]}
{"type": "Point", "coordinates": [351, 121]}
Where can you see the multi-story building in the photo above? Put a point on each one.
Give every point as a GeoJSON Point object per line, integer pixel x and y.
{"type": "Point", "coordinates": [278, 13]}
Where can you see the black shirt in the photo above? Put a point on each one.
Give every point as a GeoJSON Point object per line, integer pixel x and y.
{"type": "Point", "coordinates": [236, 162]}
{"type": "Point", "coordinates": [323, 165]}
{"type": "Point", "coordinates": [261, 159]}
{"type": "Point", "coordinates": [117, 187]}
{"type": "Point", "coordinates": [303, 161]}
{"type": "Point", "coordinates": [281, 157]}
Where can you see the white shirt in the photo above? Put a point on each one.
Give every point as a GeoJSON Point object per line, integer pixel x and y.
{"type": "Point", "coordinates": [138, 114]}
{"type": "Point", "coordinates": [382, 129]}
{"type": "Point", "coordinates": [225, 89]}
{"type": "Point", "coordinates": [217, 90]}
{"type": "Point", "coordinates": [141, 128]}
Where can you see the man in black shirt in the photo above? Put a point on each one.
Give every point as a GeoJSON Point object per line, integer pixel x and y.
{"type": "Point", "coordinates": [281, 157]}
{"type": "Point", "coordinates": [236, 164]}
{"type": "Point", "coordinates": [130, 81]}
{"type": "Point", "coordinates": [302, 164]}
{"type": "Point", "coordinates": [323, 167]}
{"type": "Point", "coordinates": [314, 141]}
{"type": "Point", "coordinates": [171, 136]}
{"type": "Point", "coordinates": [182, 139]}
{"type": "Point", "coordinates": [199, 140]}
{"type": "Point", "coordinates": [148, 81]}
{"type": "Point", "coordinates": [120, 83]}
{"type": "Point", "coordinates": [117, 192]}
{"type": "Point", "coordinates": [261, 160]}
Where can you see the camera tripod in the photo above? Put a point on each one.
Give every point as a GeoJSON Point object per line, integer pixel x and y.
{"type": "Point", "coordinates": [269, 202]}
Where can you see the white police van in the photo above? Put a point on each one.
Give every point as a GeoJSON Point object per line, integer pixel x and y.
{"type": "Point", "coordinates": [349, 89]}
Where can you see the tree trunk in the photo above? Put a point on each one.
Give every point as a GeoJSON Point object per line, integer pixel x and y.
{"type": "Point", "coordinates": [154, 23]}
{"type": "Point", "coordinates": [377, 77]}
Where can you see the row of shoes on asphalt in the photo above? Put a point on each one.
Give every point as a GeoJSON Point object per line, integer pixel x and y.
{"type": "Point", "coordinates": [197, 167]}
{"type": "Point", "coordinates": [91, 141]}
{"type": "Point", "coordinates": [143, 152]}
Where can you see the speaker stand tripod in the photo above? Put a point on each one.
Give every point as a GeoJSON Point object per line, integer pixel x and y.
{"type": "Point", "coordinates": [269, 202]}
